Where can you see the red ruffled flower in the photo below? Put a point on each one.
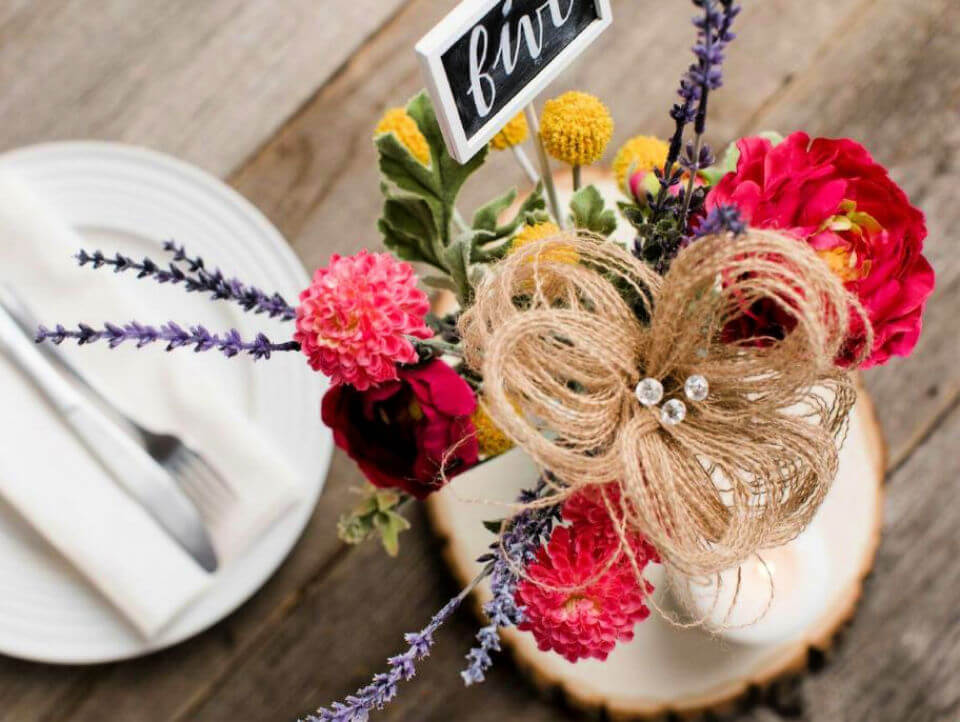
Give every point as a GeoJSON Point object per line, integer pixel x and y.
{"type": "Point", "coordinates": [588, 509]}
{"type": "Point", "coordinates": [832, 194]}
{"type": "Point", "coordinates": [401, 432]}
{"type": "Point", "coordinates": [576, 602]}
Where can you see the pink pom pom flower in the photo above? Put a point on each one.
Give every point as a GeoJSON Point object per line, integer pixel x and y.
{"type": "Point", "coordinates": [354, 319]}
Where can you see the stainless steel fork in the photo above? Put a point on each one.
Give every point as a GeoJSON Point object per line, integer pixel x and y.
{"type": "Point", "coordinates": [205, 487]}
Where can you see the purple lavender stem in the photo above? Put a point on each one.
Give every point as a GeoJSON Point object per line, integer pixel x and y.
{"type": "Point", "coordinates": [229, 344]}
{"type": "Point", "coordinates": [515, 549]}
{"type": "Point", "coordinates": [249, 297]}
{"type": "Point", "coordinates": [713, 35]}
{"type": "Point", "coordinates": [383, 688]}
{"type": "Point", "coordinates": [196, 279]}
{"type": "Point", "coordinates": [724, 218]}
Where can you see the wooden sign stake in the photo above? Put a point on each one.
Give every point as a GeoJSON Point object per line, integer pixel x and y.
{"type": "Point", "coordinates": [545, 172]}
{"type": "Point", "coordinates": [525, 164]}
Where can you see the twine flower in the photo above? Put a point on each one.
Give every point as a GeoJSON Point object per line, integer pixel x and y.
{"type": "Point", "coordinates": [398, 122]}
{"type": "Point", "coordinates": [576, 128]}
{"type": "Point", "coordinates": [752, 460]}
{"type": "Point", "coordinates": [640, 154]}
{"type": "Point", "coordinates": [354, 319]}
{"type": "Point", "coordinates": [513, 133]}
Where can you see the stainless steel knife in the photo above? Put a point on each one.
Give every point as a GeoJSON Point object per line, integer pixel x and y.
{"type": "Point", "coordinates": [127, 461]}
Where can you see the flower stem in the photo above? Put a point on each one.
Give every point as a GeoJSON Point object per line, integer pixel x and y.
{"type": "Point", "coordinates": [577, 178]}
{"type": "Point", "coordinates": [545, 172]}
{"type": "Point", "coordinates": [172, 334]}
{"type": "Point", "coordinates": [525, 163]}
{"type": "Point", "coordinates": [697, 144]}
{"type": "Point", "coordinates": [459, 222]}
{"type": "Point", "coordinates": [196, 278]}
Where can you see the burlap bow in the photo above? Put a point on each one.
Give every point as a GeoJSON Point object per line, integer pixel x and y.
{"type": "Point", "coordinates": [563, 330]}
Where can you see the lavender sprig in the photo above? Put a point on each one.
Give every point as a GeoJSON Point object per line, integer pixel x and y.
{"type": "Point", "coordinates": [518, 546]}
{"type": "Point", "coordinates": [175, 336]}
{"type": "Point", "coordinates": [724, 218]}
{"type": "Point", "coordinates": [195, 280]}
{"type": "Point", "coordinates": [249, 297]}
{"type": "Point", "coordinates": [515, 549]}
{"type": "Point", "coordinates": [402, 667]}
{"type": "Point", "coordinates": [704, 75]}
{"type": "Point", "coordinates": [715, 34]}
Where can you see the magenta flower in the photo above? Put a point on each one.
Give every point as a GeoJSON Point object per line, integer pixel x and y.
{"type": "Point", "coordinates": [355, 317]}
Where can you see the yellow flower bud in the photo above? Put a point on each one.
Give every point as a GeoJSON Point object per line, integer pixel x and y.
{"type": "Point", "coordinates": [640, 153]}
{"type": "Point", "coordinates": [576, 128]}
{"type": "Point", "coordinates": [491, 440]}
{"type": "Point", "coordinates": [513, 133]}
{"type": "Point", "coordinates": [529, 234]}
{"type": "Point", "coordinates": [398, 122]}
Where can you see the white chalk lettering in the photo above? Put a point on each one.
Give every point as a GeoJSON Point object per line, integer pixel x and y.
{"type": "Point", "coordinates": [478, 57]}
{"type": "Point", "coordinates": [527, 31]}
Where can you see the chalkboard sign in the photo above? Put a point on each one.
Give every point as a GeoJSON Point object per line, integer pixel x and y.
{"type": "Point", "coordinates": [489, 58]}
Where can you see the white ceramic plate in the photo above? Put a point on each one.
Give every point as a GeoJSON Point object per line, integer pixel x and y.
{"type": "Point", "coordinates": [139, 198]}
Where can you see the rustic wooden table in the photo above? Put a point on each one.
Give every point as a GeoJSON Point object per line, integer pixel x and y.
{"type": "Point", "coordinates": [279, 99]}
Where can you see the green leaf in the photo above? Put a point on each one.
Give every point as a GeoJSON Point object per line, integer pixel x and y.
{"type": "Point", "coordinates": [589, 212]}
{"type": "Point", "coordinates": [494, 526]}
{"type": "Point", "coordinates": [389, 525]}
{"type": "Point", "coordinates": [731, 156]}
{"type": "Point", "coordinates": [419, 213]}
{"type": "Point", "coordinates": [490, 238]}
{"type": "Point", "coordinates": [409, 231]}
{"type": "Point", "coordinates": [440, 282]}
{"type": "Point", "coordinates": [487, 217]}
{"type": "Point", "coordinates": [456, 259]}
{"type": "Point", "coordinates": [449, 175]}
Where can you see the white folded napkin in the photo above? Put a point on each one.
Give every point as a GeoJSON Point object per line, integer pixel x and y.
{"type": "Point", "coordinates": [48, 477]}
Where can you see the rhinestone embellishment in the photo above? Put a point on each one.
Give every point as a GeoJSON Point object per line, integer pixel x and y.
{"type": "Point", "coordinates": [696, 388]}
{"type": "Point", "coordinates": [649, 392]}
{"type": "Point", "coordinates": [673, 412]}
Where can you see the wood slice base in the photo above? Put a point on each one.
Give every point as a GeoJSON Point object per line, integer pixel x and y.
{"type": "Point", "coordinates": [667, 671]}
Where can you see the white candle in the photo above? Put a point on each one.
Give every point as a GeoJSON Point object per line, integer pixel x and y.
{"type": "Point", "coordinates": [778, 598]}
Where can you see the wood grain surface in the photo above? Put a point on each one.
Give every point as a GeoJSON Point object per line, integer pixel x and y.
{"type": "Point", "coordinates": [280, 99]}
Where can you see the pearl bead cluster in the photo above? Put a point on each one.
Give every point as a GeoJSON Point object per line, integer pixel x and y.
{"type": "Point", "coordinates": [650, 393]}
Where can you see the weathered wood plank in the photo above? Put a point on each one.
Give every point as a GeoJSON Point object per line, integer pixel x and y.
{"type": "Point", "coordinates": [207, 81]}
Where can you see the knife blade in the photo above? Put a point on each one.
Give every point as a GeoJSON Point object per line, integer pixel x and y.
{"type": "Point", "coordinates": [148, 483]}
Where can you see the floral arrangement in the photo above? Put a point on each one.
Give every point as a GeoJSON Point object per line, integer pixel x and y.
{"type": "Point", "coordinates": [754, 286]}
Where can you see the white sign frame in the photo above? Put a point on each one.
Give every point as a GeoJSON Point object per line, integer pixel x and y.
{"type": "Point", "coordinates": [433, 45]}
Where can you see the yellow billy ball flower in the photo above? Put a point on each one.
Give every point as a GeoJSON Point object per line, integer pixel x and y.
{"type": "Point", "coordinates": [640, 153]}
{"type": "Point", "coordinates": [530, 234]}
{"type": "Point", "coordinates": [576, 128]}
{"type": "Point", "coordinates": [398, 122]}
{"type": "Point", "coordinates": [491, 440]}
{"type": "Point", "coordinates": [513, 133]}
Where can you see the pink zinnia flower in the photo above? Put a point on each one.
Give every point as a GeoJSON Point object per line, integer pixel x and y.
{"type": "Point", "coordinates": [588, 509]}
{"type": "Point", "coordinates": [354, 319]}
{"type": "Point", "coordinates": [575, 601]}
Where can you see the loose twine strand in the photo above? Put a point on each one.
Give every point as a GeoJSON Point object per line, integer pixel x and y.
{"type": "Point", "coordinates": [556, 333]}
